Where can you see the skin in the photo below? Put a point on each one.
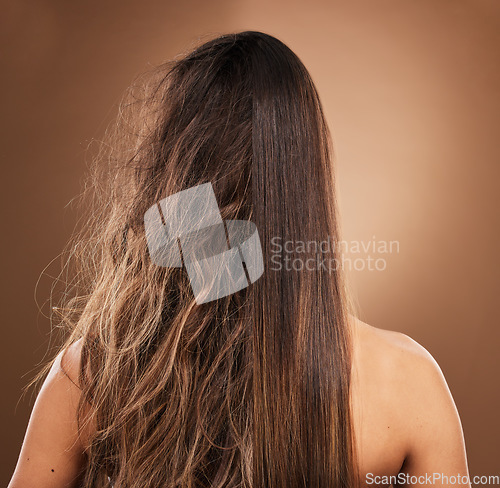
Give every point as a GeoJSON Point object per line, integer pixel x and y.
{"type": "Point", "coordinates": [405, 419]}
{"type": "Point", "coordinates": [404, 416]}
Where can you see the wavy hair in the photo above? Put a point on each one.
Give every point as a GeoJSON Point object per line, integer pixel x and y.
{"type": "Point", "coordinates": [251, 390]}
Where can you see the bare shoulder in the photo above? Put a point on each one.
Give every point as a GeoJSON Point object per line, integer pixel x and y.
{"type": "Point", "coordinates": [69, 361]}
{"type": "Point", "coordinates": [52, 453]}
{"type": "Point", "coordinates": [393, 353]}
{"type": "Point", "coordinates": [400, 395]}
{"type": "Point", "coordinates": [398, 365]}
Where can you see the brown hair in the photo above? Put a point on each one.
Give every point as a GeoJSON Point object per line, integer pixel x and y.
{"type": "Point", "coordinates": [251, 390]}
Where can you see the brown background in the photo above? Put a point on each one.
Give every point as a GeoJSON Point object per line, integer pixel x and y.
{"type": "Point", "coordinates": [411, 91]}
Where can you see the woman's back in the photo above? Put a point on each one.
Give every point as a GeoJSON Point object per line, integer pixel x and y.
{"type": "Point", "coordinates": [405, 421]}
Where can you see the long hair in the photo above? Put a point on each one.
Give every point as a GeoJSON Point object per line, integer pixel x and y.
{"type": "Point", "coordinates": [250, 390]}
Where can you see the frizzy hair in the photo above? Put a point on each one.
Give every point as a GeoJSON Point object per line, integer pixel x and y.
{"type": "Point", "coordinates": [251, 390]}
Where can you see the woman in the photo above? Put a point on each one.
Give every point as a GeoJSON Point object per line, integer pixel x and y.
{"type": "Point", "coordinates": [275, 385]}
